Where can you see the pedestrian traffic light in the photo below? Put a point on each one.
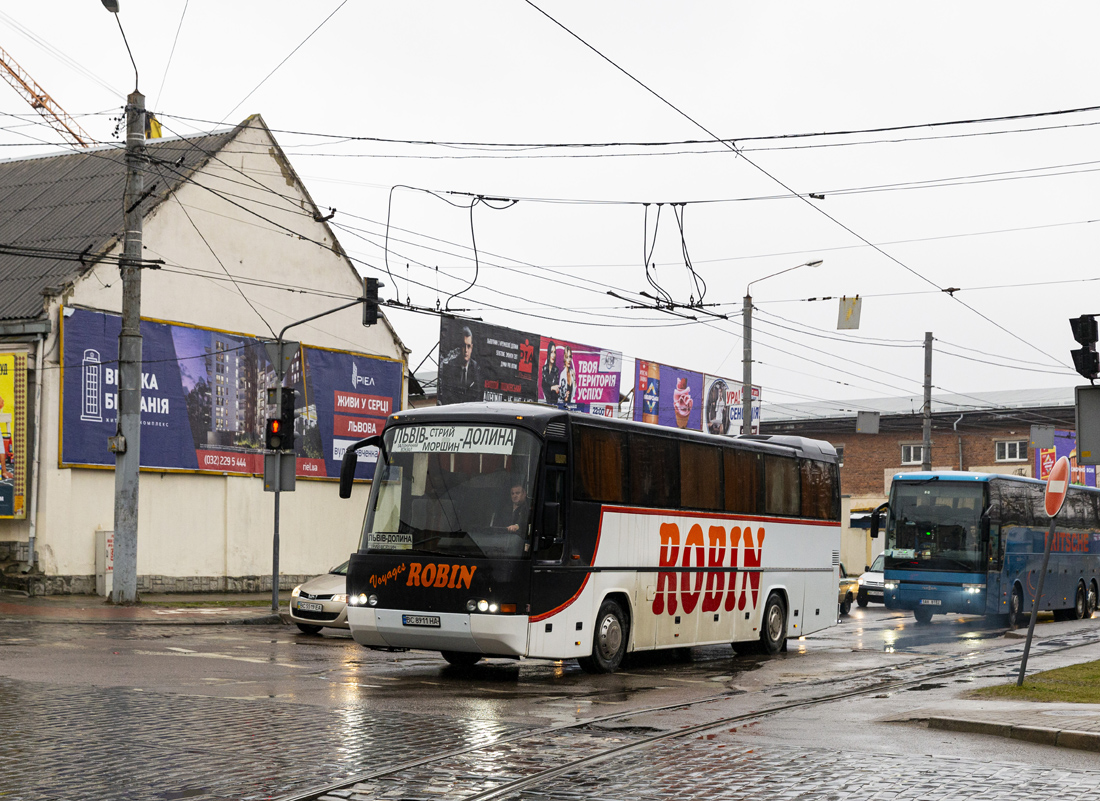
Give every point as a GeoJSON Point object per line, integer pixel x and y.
{"type": "Point", "coordinates": [370, 300]}
{"type": "Point", "coordinates": [280, 430]}
{"type": "Point", "coordinates": [1086, 361]}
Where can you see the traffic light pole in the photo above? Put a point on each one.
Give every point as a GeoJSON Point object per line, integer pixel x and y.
{"type": "Point", "coordinates": [370, 305]}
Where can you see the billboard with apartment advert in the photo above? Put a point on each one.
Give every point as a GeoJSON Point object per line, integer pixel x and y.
{"type": "Point", "coordinates": [204, 402]}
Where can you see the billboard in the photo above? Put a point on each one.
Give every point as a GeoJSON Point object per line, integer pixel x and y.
{"type": "Point", "coordinates": [480, 362]}
{"type": "Point", "coordinates": [668, 396]}
{"type": "Point", "coordinates": [722, 406]}
{"type": "Point", "coordinates": [13, 430]}
{"type": "Point", "coordinates": [1065, 444]}
{"type": "Point", "coordinates": [204, 403]}
{"type": "Point", "coordinates": [579, 377]}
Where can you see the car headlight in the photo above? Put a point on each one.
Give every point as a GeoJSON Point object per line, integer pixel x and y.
{"type": "Point", "coordinates": [860, 581]}
{"type": "Point", "coordinates": [340, 599]}
{"type": "Point", "coordinates": [296, 591]}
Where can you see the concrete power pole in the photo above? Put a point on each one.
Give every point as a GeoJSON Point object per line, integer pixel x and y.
{"type": "Point", "coordinates": [127, 443]}
{"type": "Point", "coordinates": [926, 458]}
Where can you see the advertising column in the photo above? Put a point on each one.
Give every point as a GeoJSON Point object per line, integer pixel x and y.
{"type": "Point", "coordinates": [13, 430]}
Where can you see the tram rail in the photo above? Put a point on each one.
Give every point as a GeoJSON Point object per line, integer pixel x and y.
{"type": "Point", "coordinates": [922, 671]}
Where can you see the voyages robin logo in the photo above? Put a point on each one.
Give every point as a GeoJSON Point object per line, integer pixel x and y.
{"type": "Point", "coordinates": [452, 577]}
{"type": "Point", "coordinates": [737, 547]}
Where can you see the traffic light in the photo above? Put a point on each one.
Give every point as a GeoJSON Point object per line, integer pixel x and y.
{"type": "Point", "coordinates": [1086, 361]}
{"type": "Point", "coordinates": [370, 300]}
{"type": "Point", "coordinates": [280, 430]}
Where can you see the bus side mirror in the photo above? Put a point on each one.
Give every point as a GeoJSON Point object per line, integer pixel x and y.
{"type": "Point", "coordinates": [875, 517]}
{"type": "Point", "coordinates": [551, 520]}
{"type": "Point", "coordinates": [983, 526]}
{"type": "Point", "coordinates": [351, 460]}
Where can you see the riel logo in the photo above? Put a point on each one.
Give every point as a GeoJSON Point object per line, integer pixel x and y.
{"type": "Point", "coordinates": [454, 577]}
{"type": "Point", "coordinates": [744, 587]}
{"type": "Point", "coordinates": [356, 379]}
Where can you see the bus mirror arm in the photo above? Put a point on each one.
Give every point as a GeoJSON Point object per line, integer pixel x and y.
{"type": "Point", "coordinates": [875, 516]}
{"type": "Point", "coordinates": [347, 466]}
{"type": "Point", "coordinates": [551, 513]}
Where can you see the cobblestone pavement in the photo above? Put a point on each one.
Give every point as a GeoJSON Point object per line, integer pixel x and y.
{"type": "Point", "coordinates": [721, 766]}
{"type": "Point", "coordinates": [117, 743]}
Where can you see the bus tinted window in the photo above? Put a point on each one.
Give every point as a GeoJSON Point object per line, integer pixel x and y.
{"type": "Point", "coordinates": [781, 485]}
{"type": "Point", "coordinates": [742, 481]}
{"type": "Point", "coordinates": [598, 458]}
{"type": "Point", "coordinates": [1014, 500]}
{"type": "Point", "coordinates": [654, 472]}
{"type": "Point", "coordinates": [700, 476]}
{"type": "Point", "coordinates": [818, 490]}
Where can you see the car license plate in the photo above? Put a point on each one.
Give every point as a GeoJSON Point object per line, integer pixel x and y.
{"type": "Point", "coordinates": [306, 606]}
{"type": "Point", "coordinates": [431, 621]}
{"type": "Point", "coordinates": [930, 602]}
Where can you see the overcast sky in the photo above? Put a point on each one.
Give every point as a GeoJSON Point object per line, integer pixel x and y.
{"type": "Point", "coordinates": [1005, 211]}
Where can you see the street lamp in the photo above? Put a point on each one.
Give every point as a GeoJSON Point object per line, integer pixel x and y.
{"type": "Point", "coordinates": [746, 362]}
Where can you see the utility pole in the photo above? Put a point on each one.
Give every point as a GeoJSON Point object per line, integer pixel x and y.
{"type": "Point", "coordinates": [926, 451]}
{"type": "Point", "coordinates": [127, 443]}
{"type": "Point", "coordinates": [746, 366]}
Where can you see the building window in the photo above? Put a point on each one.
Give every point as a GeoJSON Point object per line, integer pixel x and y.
{"type": "Point", "coordinates": [1012, 451]}
{"type": "Point", "coordinates": [912, 454]}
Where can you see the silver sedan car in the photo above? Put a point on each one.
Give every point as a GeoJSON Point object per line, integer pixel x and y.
{"type": "Point", "coordinates": [321, 602]}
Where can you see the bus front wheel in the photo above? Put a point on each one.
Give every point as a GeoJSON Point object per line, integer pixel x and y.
{"type": "Point", "coordinates": [923, 614]}
{"type": "Point", "coordinates": [1016, 608]}
{"type": "Point", "coordinates": [461, 658]}
{"type": "Point", "coordinates": [608, 641]}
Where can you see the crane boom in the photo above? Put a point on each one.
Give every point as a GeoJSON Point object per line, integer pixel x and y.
{"type": "Point", "coordinates": [41, 102]}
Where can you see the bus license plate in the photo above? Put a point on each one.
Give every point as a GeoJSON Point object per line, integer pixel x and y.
{"type": "Point", "coordinates": [929, 602]}
{"type": "Point", "coordinates": [431, 621]}
{"type": "Point", "coordinates": [306, 606]}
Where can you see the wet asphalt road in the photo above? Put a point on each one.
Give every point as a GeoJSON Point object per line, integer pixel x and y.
{"type": "Point", "coordinates": [252, 712]}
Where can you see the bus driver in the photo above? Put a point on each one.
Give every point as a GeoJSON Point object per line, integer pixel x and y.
{"type": "Point", "coordinates": [514, 517]}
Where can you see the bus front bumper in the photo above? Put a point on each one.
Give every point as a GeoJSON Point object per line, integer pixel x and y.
{"type": "Point", "coordinates": [937, 599]}
{"type": "Point", "coordinates": [496, 635]}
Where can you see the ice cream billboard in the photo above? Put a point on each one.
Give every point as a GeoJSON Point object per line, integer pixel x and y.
{"type": "Point", "coordinates": [668, 396]}
{"type": "Point", "coordinates": [579, 377]}
{"type": "Point", "coordinates": [1065, 444]}
{"type": "Point", "coordinates": [13, 430]}
{"type": "Point", "coordinates": [722, 406]}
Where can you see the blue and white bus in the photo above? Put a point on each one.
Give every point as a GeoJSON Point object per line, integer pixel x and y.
{"type": "Point", "coordinates": [972, 543]}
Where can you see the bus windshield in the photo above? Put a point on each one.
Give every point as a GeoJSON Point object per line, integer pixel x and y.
{"type": "Point", "coordinates": [934, 525]}
{"type": "Point", "coordinates": [453, 490]}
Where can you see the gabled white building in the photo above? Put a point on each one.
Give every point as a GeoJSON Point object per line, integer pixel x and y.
{"type": "Point", "coordinates": [244, 251]}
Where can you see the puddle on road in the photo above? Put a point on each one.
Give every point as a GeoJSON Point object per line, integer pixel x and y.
{"type": "Point", "coordinates": [924, 687]}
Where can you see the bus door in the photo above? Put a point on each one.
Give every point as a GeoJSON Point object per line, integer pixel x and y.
{"type": "Point", "coordinates": [552, 585]}
{"type": "Point", "coordinates": [995, 602]}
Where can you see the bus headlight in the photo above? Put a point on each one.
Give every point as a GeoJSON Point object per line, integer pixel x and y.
{"type": "Point", "coordinates": [372, 600]}
{"type": "Point", "coordinates": [973, 589]}
{"type": "Point", "coordinates": [890, 585]}
{"type": "Point", "coordinates": [483, 605]}
{"type": "Point", "coordinates": [471, 605]}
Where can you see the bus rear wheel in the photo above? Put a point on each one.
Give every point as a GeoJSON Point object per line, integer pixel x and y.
{"type": "Point", "coordinates": [608, 640]}
{"type": "Point", "coordinates": [773, 632]}
{"type": "Point", "coordinates": [1080, 603]}
{"type": "Point", "coordinates": [461, 658]}
{"type": "Point", "coordinates": [1092, 597]}
{"type": "Point", "coordinates": [923, 615]}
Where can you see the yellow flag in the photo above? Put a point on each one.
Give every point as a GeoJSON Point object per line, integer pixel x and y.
{"type": "Point", "coordinates": [152, 127]}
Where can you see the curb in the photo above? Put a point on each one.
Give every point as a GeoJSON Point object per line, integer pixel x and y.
{"type": "Point", "coordinates": [1080, 740]}
{"type": "Point", "coordinates": [197, 621]}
